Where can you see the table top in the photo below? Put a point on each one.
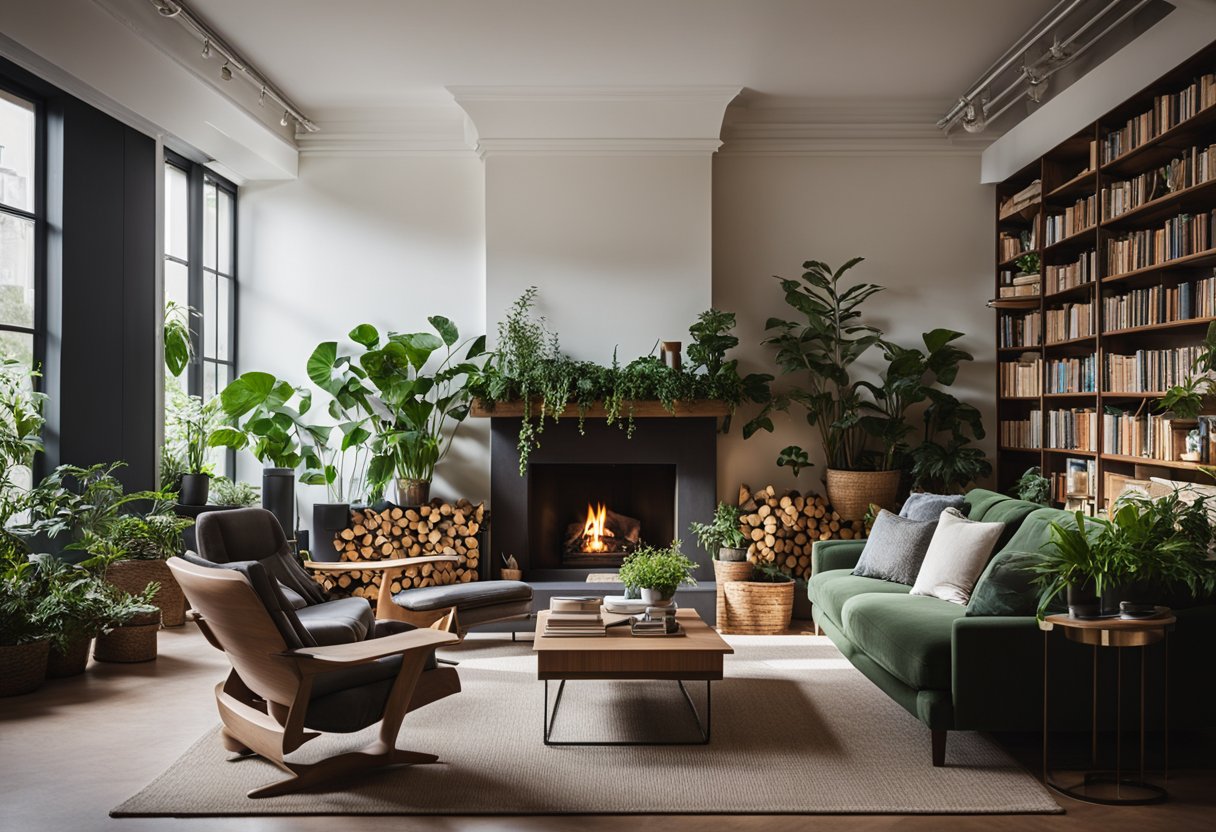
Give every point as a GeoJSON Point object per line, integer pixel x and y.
{"type": "Point", "coordinates": [699, 637]}
{"type": "Point", "coordinates": [1126, 625]}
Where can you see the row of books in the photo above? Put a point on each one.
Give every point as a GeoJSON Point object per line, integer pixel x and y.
{"type": "Point", "coordinates": [1012, 244]}
{"type": "Point", "coordinates": [1168, 111]}
{"type": "Point", "coordinates": [1021, 330]}
{"type": "Point", "coordinates": [1160, 305]}
{"type": "Point", "coordinates": [1072, 375]}
{"type": "Point", "coordinates": [1076, 486]}
{"type": "Point", "coordinates": [1073, 320]}
{"type": "Point", "coordinates": [1072, 430]}
{"type": "Point", "coordinates": [1148, 371]}
{"type": "Point", "coordinates": [1179, 236]}
{"type": "Point", "coordinates": [1194, 167]}
{"type": "Point", "coordinates": [575, 616]}
{"type": "Point", "coordinates": [1022, 433]}
{"type": "Point", "coordinates": [1023, 377]}
{"type": "Point", "coordinates": [1067, 275]}
{"type": "Point", "coordinates": [1076, 218]}
{"type": "Point", "coordinates": [1024, 285]}
{"type": "Point", "coordinates": [1149, 435]}
{"type": "Point", "coordinates": [1022, 200]}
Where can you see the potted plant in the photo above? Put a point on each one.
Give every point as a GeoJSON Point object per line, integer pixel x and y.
{"type": "Point", "coordinates": [657, 572]}
{"type": "Point", "coordinates": [132, 623]}
{"type": "Point", "coordinates": [24, 642]}
{"type": "Point", "coordinates": [722, 537]}
{"type": "Point", "coordinates": [76, 612]}
{"type": "Point", "coordinates": [816, 353]}
{"type": "Point", "coordinates": [233, 493]}
{"type": "Point", "coordinates": [760, 605]}
{"type": "Point", "coordinates": [1033, 487]}
{"type": "Point", "coordinates": [133, 554]}
{"type": "Point", "coordinates": [196, 421]}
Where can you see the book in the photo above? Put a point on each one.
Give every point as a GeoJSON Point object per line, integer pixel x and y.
{"type": "Point", "coordinates": [576, 603]}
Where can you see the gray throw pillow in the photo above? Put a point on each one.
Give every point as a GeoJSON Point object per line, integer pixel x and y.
{"type": "Point", "coordinates": [895, 548]}
{"type": "Point", "coordinates": [921, 506]}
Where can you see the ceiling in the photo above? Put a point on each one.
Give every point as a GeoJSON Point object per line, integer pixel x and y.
{"type": "Point", "coordinates": [381, 53]}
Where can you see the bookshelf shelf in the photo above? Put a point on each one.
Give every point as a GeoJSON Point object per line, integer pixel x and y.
{"type": "Point", "coordinates": [1070, 172]}
{"type": "Point", "coordinates": [1012, 260]}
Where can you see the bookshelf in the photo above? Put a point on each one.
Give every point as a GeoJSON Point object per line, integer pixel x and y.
{"type": "Point", "coordinates": [1120, 220]}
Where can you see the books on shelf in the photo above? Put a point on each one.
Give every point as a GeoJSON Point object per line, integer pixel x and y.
{"type": "Point", "coordinates": [1022, 377]}
{"type": "Point", "coordinates": [1194, 167]}
{"type": "Point", "coordinates": [575, 616]}
{"type": "Point", "coordinates": [1013, 244]}
{"type": "Point", "coordinates": [1160, 305]}
{"type": "Point", "coordinates": [1072, 320]}
{"type": "Point", "coordinates": [1178, 236]}
{"type": "Point", "coordinates": [1076, 218]}
{"type": "Point", "coordinates": [1021, 200]}
{"type": "Point", "coordinates": [1076, 485]}
{"type": "Point", "coordinates": [1022, 285]}
{"type": "Point", "coordinates": [1150, 435]}
{"type": "Point", "coordinates": [1168, 111]}
{"type": "Point", "coordinates": [1073, 430]}
{"type": "Point", "coordinates": [1148, 371]}
{"type": "Point", "coordinates": [1068, 275]}
{"type": "Point", "coordinates": [1072, 375]}
{"type": "Point", "coordinates": [1022, 433]}
{"type": "Point", "coordinates": [1021, 330]}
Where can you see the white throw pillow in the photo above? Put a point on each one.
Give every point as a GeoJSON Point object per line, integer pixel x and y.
{"type": "Point", "coordinates": [956, 558]}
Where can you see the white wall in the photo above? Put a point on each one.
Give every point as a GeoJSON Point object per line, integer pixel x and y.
{"type": "Point", "coordinates": [924, 226]}
{"type": "Point", "coordinates": [619, 246]}
{"type": "Point", "coordinates": [380, 240]}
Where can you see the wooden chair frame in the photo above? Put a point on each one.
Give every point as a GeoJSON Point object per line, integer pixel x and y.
{"type": "Point", "coordinates": [443, 618]}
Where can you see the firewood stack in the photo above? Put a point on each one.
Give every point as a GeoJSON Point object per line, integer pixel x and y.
{"type": "Point", "coordinates": [781, 530]}
{"type": "Point", "coordinates": [437, 528]}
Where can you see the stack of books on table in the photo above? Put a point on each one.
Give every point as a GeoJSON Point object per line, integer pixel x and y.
{"type": "Point", "coordinates": [575, 616]}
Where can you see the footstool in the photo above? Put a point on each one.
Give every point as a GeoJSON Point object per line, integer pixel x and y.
{"type": "Point", "coordinates": [464, 605]}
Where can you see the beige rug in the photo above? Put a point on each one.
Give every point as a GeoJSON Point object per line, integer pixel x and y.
{"type": "Point", "coordinates": [795, 730]}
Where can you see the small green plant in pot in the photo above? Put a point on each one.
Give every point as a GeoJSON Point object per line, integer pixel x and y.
{"type": "Point", "coordinates": [722, 537]}
{"type": "Point", "coordinates": [657, 572]}
{"type": "Point", "coordinates": [1033, 487]}
{"type": "Point", "coordinates": [196, 420]}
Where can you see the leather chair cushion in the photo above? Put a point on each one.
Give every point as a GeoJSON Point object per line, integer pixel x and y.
{"type": "Point", "coordinates": [339, 621]}
{"type": "Point", "coordinates": [294, 598]}
{"type": "Point", "coordinates": [463, 596]}
{"type": "Point", "coordinates": [295, 634]}
{"type": "Point", "coordinates": [254, 534]}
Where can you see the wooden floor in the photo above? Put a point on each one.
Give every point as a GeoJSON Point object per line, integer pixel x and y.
{"type": "Point", "coordinates": [77, 747]}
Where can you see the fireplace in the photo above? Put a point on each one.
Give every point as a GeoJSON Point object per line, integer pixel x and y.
{"type": "Point", "coordinates": [662, 479]}
{"type": "Point", "coordinates": [589, 515]}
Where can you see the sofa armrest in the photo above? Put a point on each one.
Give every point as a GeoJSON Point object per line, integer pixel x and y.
{"type": "Point", "coordinates": [991, 693]}
{"type": "Point", "coordinates": [835, 554]}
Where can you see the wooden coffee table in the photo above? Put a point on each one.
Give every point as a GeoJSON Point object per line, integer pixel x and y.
{"type": "Point", "coordinates": [693, 657]}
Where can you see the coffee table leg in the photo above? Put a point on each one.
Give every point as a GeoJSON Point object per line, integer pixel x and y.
{"type": "Point", "coordinates": [703, 726]}
{"type": "Point", "coordinates": [556, 703]}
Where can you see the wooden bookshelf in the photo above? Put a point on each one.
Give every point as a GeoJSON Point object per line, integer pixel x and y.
{"type": "Point", "coordinates": [1070, 172]}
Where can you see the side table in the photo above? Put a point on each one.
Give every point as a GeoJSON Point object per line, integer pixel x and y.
{"type": "Point", "coordinates": [1106, 787]}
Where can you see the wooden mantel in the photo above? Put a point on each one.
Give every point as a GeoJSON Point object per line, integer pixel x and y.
{"type": "Point", "coordinates": [641, 410]}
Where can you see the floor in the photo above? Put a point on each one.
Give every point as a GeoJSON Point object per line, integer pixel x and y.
{"type": "Point", "coordinates": [77, 747]}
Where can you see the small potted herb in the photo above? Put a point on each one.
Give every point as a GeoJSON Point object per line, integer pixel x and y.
{"type": "Point", "coordinates": [722, 537]}
{"type": "Point", "coordinates": [657, 572]}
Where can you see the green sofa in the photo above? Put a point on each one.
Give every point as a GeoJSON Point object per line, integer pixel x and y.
{"type": "Point", "coordinates": [985, 673]}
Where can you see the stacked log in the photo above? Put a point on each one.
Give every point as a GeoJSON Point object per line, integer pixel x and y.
{"type": "Point", "coordinates": [437, 528]}
{"type": "Point", "coordinates": [781, 529]}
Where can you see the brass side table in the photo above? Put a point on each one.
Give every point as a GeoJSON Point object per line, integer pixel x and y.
{"type": "Point", "coordinates": [1115, 788]}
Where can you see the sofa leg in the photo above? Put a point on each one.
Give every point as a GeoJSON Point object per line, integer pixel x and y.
{"type": "Point", "coordinates": [939, 748]}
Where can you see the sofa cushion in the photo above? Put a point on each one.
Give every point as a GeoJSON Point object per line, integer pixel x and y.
{"type": "Point", "coordinates": [958, 553]}
{"type": "Point", "coordinates": [829, 591]}
{"type": "Point", "coordinates": [991, 507]}
{"type": "Point", "coordinates": [923, 506]}
{"type": "Point", "coordinates": [463, 596]}
{"type": "Point", "coordinates": [895, 548]}
{"type": "Point", "coordinates": [339, 621]}
{"type": "Point", "coordinates": [1007, 586]}
{"type": "Point", "coordinates": [1034, 532]}
{"type": "Point", "coordinates": [909, 636]}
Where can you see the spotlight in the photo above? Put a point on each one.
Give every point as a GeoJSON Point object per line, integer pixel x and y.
{"type": "Point", "coordinates": [207, 48]}
{"type": "Point", "coordinates": [283, 120]}
{"type": "Point", "coordinates": [225, 72]}
{"type": "Point", "coordinates": [1037, 88]}
{"type": "Point", "coordinates": [262, 98]}
{"type": "Point", "coordinates": [973, 117]}
{"type": "Point", "coordinates": [167, 9]}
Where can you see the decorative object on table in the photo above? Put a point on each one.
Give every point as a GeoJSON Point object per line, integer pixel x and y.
{"type": "Point", "coordinates": [1033, 487]}
{"type": "Point", "coordinates": [896, 548]}
{"type": "Point", "coordinates": [921, 505]}
{"type": "Point", "coordinates": [783, 529]}
{"type": "Point", "coordinates": [761, 605]}
{"type": "Point", "coordinates": [620, 605]}
{"type": "Point", "coordinates": [574, 616]}
{"type": "Point", "coordinates": [657, 572]}
{"type": "Point", "coordinates": [510, 570]}
{"type": "Point", "coordinates": [957, 555]}
{"type": "Point", "coordinates": [656, 621]}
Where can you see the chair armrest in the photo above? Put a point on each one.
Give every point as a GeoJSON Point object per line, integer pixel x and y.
{"type": "Point", "coordinates": [827, 555]}
{"type": "Point", "coordinates": [369, 565]}
{"type": "Point", "coordinates": [365, 652]}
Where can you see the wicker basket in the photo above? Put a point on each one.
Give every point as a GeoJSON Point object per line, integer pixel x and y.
{"type": "Point", "coordinates": [725, 572]}
{"type": "Point", "coordinates": [134, 643]}
{"type": "Point", "coordinates": [133, 575]}
{"type": "Point", "coordinates": [851, 492]}
{"type": "Point", "coordinates": [69, 662]}
{"type": "Point", "coordinates": [23, 667]}
{"type": "Point", "coordinates": [756, 607]}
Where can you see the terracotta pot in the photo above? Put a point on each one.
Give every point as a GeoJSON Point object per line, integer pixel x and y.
{"type": "Point", "coordinates": [23, 667]}
{"type": "Point", "coordinates": [851, 492]}
{"type": "Point", "coordinates": [413, 492]}
{"type": "Point", "coordinates": [71, 661]}
{"type": "Point", "coordinates": [134, 575]}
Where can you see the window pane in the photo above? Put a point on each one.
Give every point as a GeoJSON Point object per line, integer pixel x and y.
{"type": "Point", "coordinates": [16, 270]}
{"type": "Point", "coordinates": [177, 187]}
{"type": "Point", "coordinates": [224, 232]}
{"type": "Point", "coordinates": [209, 315]}
{"type": "Point", "coordinates": [177, 285]}
{"type": "Point", "coordinates": [209, 377]}
{"type": "Point", "coordinates": [223, 286]}
{"type": "Point", "coordinates": [18, 345]}
{"type": "Point", "coordinates": [16, 152]}
{"type": "Point", "coordinates": [209, 226]}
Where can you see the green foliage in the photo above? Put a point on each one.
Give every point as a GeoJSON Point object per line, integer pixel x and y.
{"type": "Point", "coordinates": [194, 421]}
{"type": "Point", "coordinates": [261, 416]}
{"type": "Point", "coordinates": [1186, 400]}
{"type": "Point", "coordinates": [1033, 487]}
{"type": "Point", "coordinates": [21, 424]}
{"type": "Point", "coordinates": [663, 569]}
{"type": "Point", "coordinates": [24, 611]}
{"type": "Point", "coordinates": [794, 458]}
{"type": "Point", "coordinates": [178, 348]}
{"type": "Point", "coordinates": [765, 572]}
{"type": "Point", "coordinates": [155, 536]}
{"type": "Point", "coordinates": [945, 461]}
{"type": "Point", "coordinates": [1028, 264]}
{"type": "Point", "coordinates": [722, 532]}
{"type": "Point", "coordinates": [79, 603]}
{"type": "Point", "coordinates": [72, 501]}
{"type": "Point", "coordinates": [226, 492]}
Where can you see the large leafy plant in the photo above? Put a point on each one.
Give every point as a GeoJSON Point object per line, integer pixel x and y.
{"type": "Point", "coordinates": [266, 415]}
{"type": "Point", "coordinates": [346, 456]}
{"type": "Point", "coordinates": [21, 424]}
{"type": "Point", "coordinates": [176, 334]}
{"type": "Point", "coordinates": [945, 461]}
{"type": "Point", "coordinates": [73, 502]}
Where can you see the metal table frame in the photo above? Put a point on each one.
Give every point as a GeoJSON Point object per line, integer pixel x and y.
{"type": "Point", "coordinates": [703, 727]}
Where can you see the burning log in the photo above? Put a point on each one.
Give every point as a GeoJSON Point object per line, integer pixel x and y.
{"type": "Point", "coordinates": [604, 531]}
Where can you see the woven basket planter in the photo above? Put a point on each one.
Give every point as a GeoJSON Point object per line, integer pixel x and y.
{"type": "Point", "coordinates": [23, 667]}
{"type": "Point", "coordinates": [132, 643]}
{"type": "Point", "coordinates": [133, 575]}
{"type": "Point", "coordinates": [69, 662]}
{"type": "Point", "coordinates": [851, 492]}
{"type": "Point", "coordinates": [726, 572]}
{"type": "Point", "coordinates": [756, 608]}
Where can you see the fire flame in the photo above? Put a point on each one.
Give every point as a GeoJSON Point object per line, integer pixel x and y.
{"type": "Point", "coordinates": [594, 530]}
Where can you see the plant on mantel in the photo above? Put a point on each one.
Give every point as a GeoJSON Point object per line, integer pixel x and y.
{"type": "Point", "coordinates": [528, 366]}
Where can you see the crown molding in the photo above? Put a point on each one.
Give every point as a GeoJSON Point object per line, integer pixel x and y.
{"type": "Point", "coordinates": [597, 147]}
{"type": "Point", "coordinates": [432, 126]}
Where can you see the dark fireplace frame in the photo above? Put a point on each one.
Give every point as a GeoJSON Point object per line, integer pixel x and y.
{"type": "Point", "coordinates": [688, 443]}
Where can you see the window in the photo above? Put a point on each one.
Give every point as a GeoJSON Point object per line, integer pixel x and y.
{"type": "Point", "coordinates": [200, 274]}
{"type": "Point", "coordinates": [21, 225]}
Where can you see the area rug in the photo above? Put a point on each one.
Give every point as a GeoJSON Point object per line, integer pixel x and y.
{"type": "Point", "coordinates": [796, 730]}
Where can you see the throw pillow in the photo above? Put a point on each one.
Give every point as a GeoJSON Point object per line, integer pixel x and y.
{"type": "Point", "coordinates": [921, 506]}
{"type": "Point", "coordinates": [1007, 587]}
{"type": "Point", "coordinates": [895, 548]}
{"type": "Point", "coordinates": [957, 555]}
